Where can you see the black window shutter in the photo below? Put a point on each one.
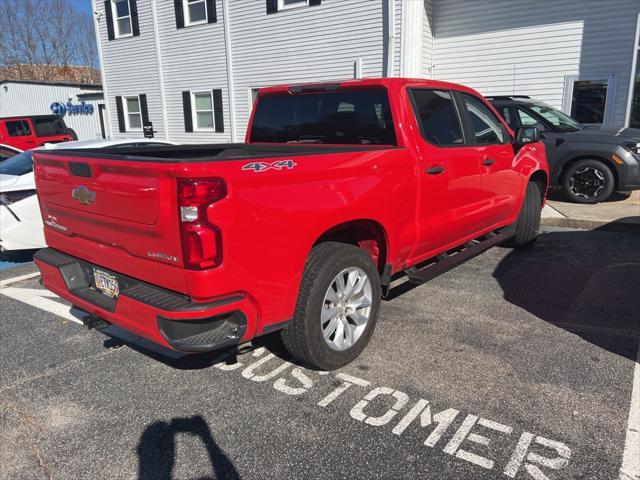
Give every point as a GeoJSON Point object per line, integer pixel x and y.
{"type": "Point", "coordinates": [217, 110]}
{"type": "Point", "coordinates": [135, 26]}
{"type": "Point", "coordinates": [186, 108]}
{"type": "Point", "coordinates": [120, 111]}
{"type": "Point", "coordinates": [313, 3]}
{"type": "Point", "coordinates": [109, 15]}
{"type": "Point", "coordinates": [272, 6]}
{"type": "Point", "coordinates": [177, 4]}
{"type": "Point", "coordinates": [211, 11]}
{"type": "Point", "coordinates": [144, 110]}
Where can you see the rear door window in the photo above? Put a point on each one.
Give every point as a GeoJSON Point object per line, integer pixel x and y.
{"type": "Point", "coordinates": [18, 128]}
{"type": "Point", "coordinates": [487, 128]}
{"type": "Point", "coordinates": [345, 116]}
{"type": "Point", "coordinates": [49, 126]}
{"type": "Point", "coordinates": [437, 117]}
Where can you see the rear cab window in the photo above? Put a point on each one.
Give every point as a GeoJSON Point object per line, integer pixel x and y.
{"type": "Point", "coordinates": [354, 116]}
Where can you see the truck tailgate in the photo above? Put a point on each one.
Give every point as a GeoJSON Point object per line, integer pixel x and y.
{"type": "Point", "coordinates": [125, 208]}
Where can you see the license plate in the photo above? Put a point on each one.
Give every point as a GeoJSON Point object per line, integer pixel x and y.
{"type": "Point", "coordinates": [106, 283]}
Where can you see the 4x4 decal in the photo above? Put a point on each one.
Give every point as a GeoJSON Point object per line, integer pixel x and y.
{"type": "Point", "coordinates": [264, 166]}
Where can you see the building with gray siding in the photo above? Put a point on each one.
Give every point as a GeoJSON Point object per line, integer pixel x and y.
{"type": "Point", "coordinates": [192, 67]}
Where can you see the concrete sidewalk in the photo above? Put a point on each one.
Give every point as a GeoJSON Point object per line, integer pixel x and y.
{"type": "Point", "coordinates": [620, 213]}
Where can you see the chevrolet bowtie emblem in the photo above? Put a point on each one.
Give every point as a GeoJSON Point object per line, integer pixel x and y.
{"type": "Point", "coordinates": [83, 195]}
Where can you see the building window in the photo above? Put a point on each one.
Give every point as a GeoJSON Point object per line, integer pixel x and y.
{"type": "Point", "coordinates": [195, 11]}
{"type": "Point", "coordinates": [589, 100]}
{"type": "Point", "coordinates": [202, 110]}
{"type": "Point", "coordinates": [122, 16]}
{"type": "Point", "coordinates": [284, 4]}
{"type": "Point", "coordinates": [132, 114]}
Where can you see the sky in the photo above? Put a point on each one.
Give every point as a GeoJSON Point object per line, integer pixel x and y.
{"type": "Point", "coordinates": [82, 5]}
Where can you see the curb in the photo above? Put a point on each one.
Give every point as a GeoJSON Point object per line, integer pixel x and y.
{"type": "Point", "coordinates": [612, 226]}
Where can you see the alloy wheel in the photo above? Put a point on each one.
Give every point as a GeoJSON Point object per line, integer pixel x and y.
{"type": "Point", "coordinates": [346, 308]}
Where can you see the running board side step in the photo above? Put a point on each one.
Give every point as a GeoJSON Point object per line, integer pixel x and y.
{"type": "Point", "coordinates": [425, 271]}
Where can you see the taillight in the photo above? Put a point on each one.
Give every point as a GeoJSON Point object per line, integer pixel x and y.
{"type": "Point", "coordinates": [201, 240]}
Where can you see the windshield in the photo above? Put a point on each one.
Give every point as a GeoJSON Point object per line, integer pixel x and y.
{"type": "Point", "coordinates": [348, 116]}
{"type": "Point", "coordinates": [561, 121]}
{"type": "Point", "coordinates": [18, 165]}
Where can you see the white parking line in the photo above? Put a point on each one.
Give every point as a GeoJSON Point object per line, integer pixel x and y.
{"type": "Point", "coordinates": [9, 281]}
{"type": "Point", "coordinates": [630, 469]}
{"type": "Point", "coordinates": [40, 298]}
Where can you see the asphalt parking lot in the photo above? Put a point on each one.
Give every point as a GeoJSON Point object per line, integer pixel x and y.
{"type": "Point", "coordinates": [513, 365]}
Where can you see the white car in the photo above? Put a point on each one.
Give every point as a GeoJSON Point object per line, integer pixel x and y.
{"type": "Point", "coordinates": [20, 222]}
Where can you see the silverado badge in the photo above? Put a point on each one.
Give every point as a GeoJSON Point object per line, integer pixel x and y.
{"type": "Point", "coordinates": [83, 195]}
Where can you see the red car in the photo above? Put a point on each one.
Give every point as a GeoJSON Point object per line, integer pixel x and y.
{"type": "Point", "coordinates": [33, 131]}
{"type": "Point", "coordinates": [339, 189]}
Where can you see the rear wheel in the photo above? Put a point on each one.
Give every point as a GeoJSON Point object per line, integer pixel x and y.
{"type": "Point", "coordinates": [337, 307]}
{"type": "Point", "coordinates": [528, 223]}
{"type": "Point", "coordinates": [588, 181]}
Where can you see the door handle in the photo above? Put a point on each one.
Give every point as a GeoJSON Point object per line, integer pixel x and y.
{"type": "Point", "coordinates": [488, 162]}
{"type": "Point", "coordinates": [435, 170]}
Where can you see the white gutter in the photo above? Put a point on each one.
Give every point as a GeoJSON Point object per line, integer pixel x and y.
{"type": "Point", "coordinates": [96, 27]}
{"type": "Point", "coordinates": [230, 85]}
{"type": "Point", "coordinates": [163, 103]}
{"type": "Point", "coordinates": [632, 76]}
{"type": "Point", "coordinates": [391, 41]}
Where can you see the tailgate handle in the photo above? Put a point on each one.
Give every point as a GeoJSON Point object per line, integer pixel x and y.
{"type": "Point", "coordinates": [80, 169]}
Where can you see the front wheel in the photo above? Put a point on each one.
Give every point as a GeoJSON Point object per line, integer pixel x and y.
{"type": "Point", "coordinates": [588, 181]}
{"type": "Point", "coordinates": [527, 225]}
{"type": "Point", "coordinates": [337, 307]}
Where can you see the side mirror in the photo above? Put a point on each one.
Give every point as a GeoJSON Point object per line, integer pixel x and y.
{"type": "Point", "coordinates": [526, 135]}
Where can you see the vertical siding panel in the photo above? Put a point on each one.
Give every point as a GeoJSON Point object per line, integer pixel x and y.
{"type": "Point", "coordinates": [503, 50]}
{"type": "Point", "coordinates": [131, 67]}
{"type": "Point", "coordinates": [305, 44]}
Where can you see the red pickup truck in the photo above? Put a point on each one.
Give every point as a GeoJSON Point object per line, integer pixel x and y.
{"type": "Point", "coordinates": [339, 189]}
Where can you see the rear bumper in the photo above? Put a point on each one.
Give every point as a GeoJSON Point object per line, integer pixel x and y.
{"type": "Point", "coordinates": [162, 316]}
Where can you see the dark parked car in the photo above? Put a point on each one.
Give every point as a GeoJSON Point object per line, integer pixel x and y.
{"type": "Point", "coordinates": [587, 163]}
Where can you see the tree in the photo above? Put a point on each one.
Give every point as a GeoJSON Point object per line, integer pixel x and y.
{"type": "Point", "coordinates": [41, 39]}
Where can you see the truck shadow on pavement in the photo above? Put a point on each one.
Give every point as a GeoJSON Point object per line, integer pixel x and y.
{"type": "Point", "coordinates": [157, 450]}
{"type": "Point", "coordinates": [585, 282]}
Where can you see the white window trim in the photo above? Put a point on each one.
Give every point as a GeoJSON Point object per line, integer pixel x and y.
{"type": "Point", "coordinates": [282, 6]}
{"type": "Point", "coordinates": [187, 14]}
{"type": "Point", "coordinates": [632, 77]}
{"type": "Point", "coordinates": [194, 112]}
{"type": "Point", "coordinates": [116, 25]}
{"type": "Point", "coordinates": [125, 109]}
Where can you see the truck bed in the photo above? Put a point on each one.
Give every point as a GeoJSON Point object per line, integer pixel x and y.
{"type": "Point", "coordinates": [211, 152]}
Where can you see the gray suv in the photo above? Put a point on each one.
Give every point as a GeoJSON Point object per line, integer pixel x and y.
{"type": "Point", "coordinates": [587, 163]}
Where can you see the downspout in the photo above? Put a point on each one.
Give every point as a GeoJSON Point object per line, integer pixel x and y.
{"type": "Point", "coordinates": [230, 85]}
{"type": "Point", "coordinates": [391, 41]}
{"type": "Point", "coordinates": [103, 79]}
{"type": "Point", "coordinates": [156, 35]}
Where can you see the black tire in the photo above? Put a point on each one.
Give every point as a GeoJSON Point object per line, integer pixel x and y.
{"type": "Point", "coordinates": [528, 223]}
{"type": "Point", "coordinates": [303, 337]}
{"type": "Point", "coordinates": [588, 181]}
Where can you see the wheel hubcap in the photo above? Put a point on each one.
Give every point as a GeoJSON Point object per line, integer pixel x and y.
{"type": "Point", "coordinates": [346, 308]}
{"type": "Point", "coordinates": [587, 182]}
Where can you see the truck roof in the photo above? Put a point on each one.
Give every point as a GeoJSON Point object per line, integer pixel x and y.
{"type": "Point", "coordinates": [385, 82]}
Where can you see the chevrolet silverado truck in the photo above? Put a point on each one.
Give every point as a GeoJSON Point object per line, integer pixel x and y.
{"type": "Point", "coordinates": [338, 190]}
